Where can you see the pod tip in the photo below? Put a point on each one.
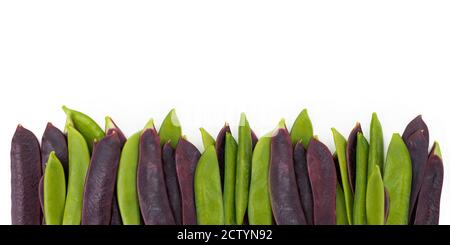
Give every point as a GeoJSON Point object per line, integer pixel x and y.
{"type": "Point", "coordinates": [174, 118]}
{"type": "Point", "coordinates": [66, 109]}
{"type": "Point", "coordinates": [242, 120]}
{"type": "Point", "coordinates": [149, 124]}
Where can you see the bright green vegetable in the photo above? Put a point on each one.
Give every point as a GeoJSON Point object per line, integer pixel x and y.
{"type": "Point", "coordinates": [208, 189]}
{"type": "Point", "coordinates": [302, 129]}
{"type": "Point", "coordinates": [376, 148]}
{"type": "Point", "coordinates": [397, 178]}
{"type": "Point", "coordinates": [207, 138]}
{"type": "Point", "coordinates": [230, 179]}
{"type": "Point", "coordinates": [375, 198]}
{"type": "Point", "coordinates": [359, 204]}
{"type": "Point", "coordinates": [244, 158]}
{"type": "Point", "coordinates": [54, 191]}
{"type": "Point", "coordinates": [341, 212]}
{"type": "Point", "coordinates": [437, 149]}
{"type": "Point", "coordinates": [341, 145]}
{"type": "Point", "coordinates": [170, 130]}
{"type": "Point", "coordinates": [78, 165]}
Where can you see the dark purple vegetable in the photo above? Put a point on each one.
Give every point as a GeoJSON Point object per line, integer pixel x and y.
{"type": "Point", "coordinates": [303, 183]}
{"type": "Point", "coordinates": [186, 158]}
{"type": "Point", "coordinates": [55, 140]}
{"type": "Point", "coordinates": [351, 156]}
{"type": "Point", "coordinates": [100, 180]}
{"type": "Point", "coordinates": [170, 174]}
{"type": "Point", "coordinates": [286, 206]}
{"type": "Point", "coordinates": [428, 202]}
{"type": "Point", "coordinates": [220, 150]}
{"type": "Point", "coordinates": [41, 197]}
{"type": "Point", "coordinates": [152, 190]}
{"type": "Point", "coordinates": [415, 125]}
{"type": "Point", "coordinates": [322, 175]}
{"type": "Point", "coordinates": [113, 126]}
{"type": "Point", "coordinates": [25, 176]}
{"type": "Point", "coordinates": [116, 219]}
{"type": "Point", "coordinates": [254, 139]}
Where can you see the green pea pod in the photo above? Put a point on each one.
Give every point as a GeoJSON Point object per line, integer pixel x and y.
{"type": "Point", "coordinates": [302, 129]}
{"type": "Point", "coordinates": [78, 166]}
{"type": "Point", "coordinates": [230, 179]}
{"type": "Point", "coordinates": [397, 178]}
{"type": "Point", "coordinates": [259, 206]}
{"type": "Point", "coordinates": [341, 146]}
{"type": "Point", "coordinates": [375, 198]}
{"type": "Point", "coordinates": [207, 139]}
{"type": "Point", "coordinates": [376, 148]}
{"type": "Point", "coordinates": [436, 150]}
{"type": "Point", "coordinates": [127, 196]}
{"type": "Point", "coordinates": [54, 191]}
{"type": "Point", "coordinates": [170, 130]}
{"type": "Point", "coordinates": [341, 212]}
{"type": "Point", "coordinates": [359, 204]}
{"type": "Point", "coordinates": [244, 158]}
{"type": "Point", "coordinates": [90, 130]}
{"type": "Point", "coordinates": [208, 190]}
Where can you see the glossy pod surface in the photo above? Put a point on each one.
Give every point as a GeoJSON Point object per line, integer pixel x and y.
{"type": "Point", "coordinates": [230, 179]}
{"type": "Point", "coordinates": [375, 198]}
{"type": "Point", "coordinates": [54, 191]}
{"type": "Point", "coordinates": [54, 140]}
{"type": "Point", "coordinates": [170, 174]}
{"type": "Point", "coordinates": [376, 147]}
{"type": "Point", "coordinates": [303, 183]}
{"type": "Point", "coordinates": [359, 204]}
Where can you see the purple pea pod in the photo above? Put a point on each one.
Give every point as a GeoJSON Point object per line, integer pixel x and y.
{"type": "Point", "coordinates": [351, 156]}
{"type": "Point", "coordinates": [286, 206]}
{"type": "Point", "coordinates": [170, 174]}
{"type": "Point", "coordinates": [220, 150]}
{"type": "Point", "coordinates": [303, 183]}
{"type": "Point", "coordinates": [54, 140]}
{"type": "Point", "coordinates": [186, 158]}
{"type": "Point", "coordinates": [116, 219]}
{"type": "Point", "coordinates": [100, 180]}
{"type": "Point", "coordinates": [415, 125]}
{"type": "Point", "coordinates": [41, 197]}
{"type": "Point", "coordinates": [25, 176]}
{"type": "Point", "coordinates": [322, 175]}
{"type": "Point", "coordinates": [152, 190]}
{"type": "Point", "coordinates": [254, 139]}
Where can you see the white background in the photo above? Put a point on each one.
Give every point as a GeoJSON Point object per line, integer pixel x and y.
{"type": "Point", "coordinates": [211, 60]}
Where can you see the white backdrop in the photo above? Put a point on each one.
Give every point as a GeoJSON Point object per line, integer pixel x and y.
{"type": "Point", "coordinates": [212, 60]}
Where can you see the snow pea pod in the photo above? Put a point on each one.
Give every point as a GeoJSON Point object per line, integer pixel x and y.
{"type": "Point", "coordinates": [397, 178]}
{"type": "Point", "coordinates": [208, 193]}
{"type": "Point", "coordinates": [303, 183]}
{"type": "Point", "coordinates": [376, 147]}
{"type": "Point", "coordinates": [54, 191]}
{"type": "Point", "coordinates": [54, 140]}
{"type": "Point", "coordinates": [341, 212]}
{"type": "Point", "coordinates": [90, 130]}
{"type": "Point", "coordinates": [259, 206]}
{"type": "Point", "coordinates": [341, 146]}
{"type": "Point", "coordinates": [78, 165]}
{"type": "Point", "coordinates": [230, 179]}
{"type": "Point", "coordinates": [375, 198]}
{"type": "Point", "coordinates": [207, 139]}
{"type": "Point", "coordinates": [170, 175]}
{"type": "Point", "coordinates": [302, 129]}
{"type": "Point", "coordinates": [170, 130]}
{"type": "Point", "coordinates": [359, 204]}
{"type": "Point", "coordinates": [243, 168]}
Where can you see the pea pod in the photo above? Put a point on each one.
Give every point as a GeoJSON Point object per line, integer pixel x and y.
{"type": "Point", "coordinates": [375, 198]}
{"type": "Point", "coordinates": [376, 147]}
{"type": "Point", "coordinates": [172, 185]}
{"type": "Point", "coordinates": [78, 166]}
{"type": "Point", "coordinates": [229, 179]}
{"type": "Point", "coordinates": [359, 204]}
{"type": "Point", "coordinates": [90, 130]}
{"type": "Point", "coordinates": [208, 193]}
{"type": "Point", "coordinates": [170, 130]}
{"type": "Point", "coordinates": [54, 140]}
{"type": "Point", "coordinates": [303, 182]}
{"type": "Point", "coordinates": [397, 178]}
{"type": "Point", "coordinates": [244, 158]}
{"type": "Point", "coordinates": [54, 191]}
{"type": "Point", "coordinates": [341, 212]}
{"type": "Point", "coordinates": [351, 156]}
{"type": "Point", "coordinates": [259, 206]}
{"type": "Point", "coordinates": [220, 150]}
{"type": "Point", "coordinates": [207, 139]}
{"type": "Point", "coordinates": [341, 146]}
{"type": "Point", "coordinates": [302, 129]}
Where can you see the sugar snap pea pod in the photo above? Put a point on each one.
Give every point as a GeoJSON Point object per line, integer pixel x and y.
{"type": "Point", "coordinates": [341, 146]}
{"type": "Point", "coordinates": [230, 179]}
{"type": "Point", "coordinates": [100, 180]}
{"type": "Point", "coordinates": [243, 167]}
{"type": "Point", "coordinates": [359, 204]}
{"type": "Point", "coordinates": [54, 140]}
{"type": "Point", "coordinates": [322, 174]}
{"type": "Point", "coordinates": [78, 166]}
{"type": "Point", "coordinates": [90, 130]}
{"type": "Point", "coordinates": [284, 196]}
{"type": "Point", "coordinates": [127, 196]}
{"type": "Point", "coordinates": [259, 206]}
{"type": "Point", "coordinates": [207, 139]}
{"type": "Point", "coordinates": [341, 212]}
{"type": "Point", "coordinates": [152, 190]}
{"type": "Point", "coordinates": [375, 198]}
{"type": "Point", "coordinates": [170, 130]}
{"type": "Point", "coordinates": [186, 158]}
{"type": "Point", "coordinates": [170, 174]}
{"type": "Point", "coordinates": [351, 156]}
{"type": "Point", "coordinates": [303, 183]}
{"type": "Point", "coordinates": [428, 202]}
{"type": "Point", "coordinates": [220, 150]}
{"type": "Point", "coordinates": [54, 191]}
{"type": "Point", "coordinates": [302, 129]}
{"type": "Point", "coordinates": [208, 193]}
{"type": "Point", "coordinates": [25, 176]}
{"type": "Point", "coordinates": [376, 147]}
{"type": "Point", "coordinates": [397, 179]}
